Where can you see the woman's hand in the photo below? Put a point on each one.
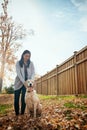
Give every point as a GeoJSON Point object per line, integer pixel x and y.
{"type": "Point", "coordinates": [26, 84]}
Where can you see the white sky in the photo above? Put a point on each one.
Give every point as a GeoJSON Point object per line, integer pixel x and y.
{"type": "Point", "coordinates": [60, 28]}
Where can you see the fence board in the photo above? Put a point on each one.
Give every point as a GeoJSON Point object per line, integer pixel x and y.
{"type": "Point", "coordinates": [70, 77]}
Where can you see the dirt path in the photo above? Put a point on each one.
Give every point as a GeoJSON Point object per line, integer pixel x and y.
{"type": "Point", "coordinates": [56, 115]}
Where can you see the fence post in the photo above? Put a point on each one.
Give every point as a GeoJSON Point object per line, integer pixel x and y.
{"type": "Point", "coordinates": [47, 82]}
{"type": "Point", "coordinates": [57, 84]}
{"type": "Point", "coordinates": [76, 79]}
{"type": "Point", "coordinates": [36, 85]}
{"type": "Point", "coordinates": [41, 84]}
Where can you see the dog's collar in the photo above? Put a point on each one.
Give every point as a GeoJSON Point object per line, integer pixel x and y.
{"type": "Point", "coordinates": [30, 91]}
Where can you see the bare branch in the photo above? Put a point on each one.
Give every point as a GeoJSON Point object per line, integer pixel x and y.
{"type": "Point", "coordinates": [10, 33]}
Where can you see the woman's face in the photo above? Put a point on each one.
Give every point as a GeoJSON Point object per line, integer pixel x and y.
{"type": "Point", "coordinates": [26, 57]}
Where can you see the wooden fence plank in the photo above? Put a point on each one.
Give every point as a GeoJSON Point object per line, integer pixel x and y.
{"type": "Point", "coordinates": [70, 77]}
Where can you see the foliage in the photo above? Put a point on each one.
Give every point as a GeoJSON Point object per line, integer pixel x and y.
{"type": "Point", "coordinates": [58, 113]}
{"type": "Point", "coordinates": [10, 34]}
{"type": "Point", "coordinates": [9, 90]}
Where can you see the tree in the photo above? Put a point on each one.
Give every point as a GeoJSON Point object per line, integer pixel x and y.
{"type": "Point", "coordinates": [10, 33]}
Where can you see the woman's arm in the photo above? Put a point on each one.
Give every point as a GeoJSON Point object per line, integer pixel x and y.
{"type": "Point", "coordinates": [32, 71]}
{"type": "Point", "coordinates": [19, 73]}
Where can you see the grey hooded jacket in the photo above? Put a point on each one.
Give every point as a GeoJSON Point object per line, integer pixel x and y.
{"type": "Point", "coordinates": [20, 78]}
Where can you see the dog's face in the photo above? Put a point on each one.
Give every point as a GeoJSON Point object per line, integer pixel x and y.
{"type": "Point", "coordinates": [30, 83]}
{"type": "Point", "coordinates": [30, 86]}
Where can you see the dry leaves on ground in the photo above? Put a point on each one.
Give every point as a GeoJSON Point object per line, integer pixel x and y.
{"type": "Point", "coordinates": [55, 116]}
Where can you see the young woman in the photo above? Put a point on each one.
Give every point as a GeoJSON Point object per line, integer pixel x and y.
{"type": "Point", "coordinates": [25, 70]}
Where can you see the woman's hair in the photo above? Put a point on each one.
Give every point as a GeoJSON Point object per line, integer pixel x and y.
{"type": "Point", "coordinates": [21, 61]}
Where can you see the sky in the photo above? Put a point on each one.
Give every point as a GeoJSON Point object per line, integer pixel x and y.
{"type": "Point", "coordinates": [59, 27]}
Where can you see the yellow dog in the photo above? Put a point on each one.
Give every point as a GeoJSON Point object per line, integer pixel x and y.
{"type": "Point", "coordinates": [31, 99]}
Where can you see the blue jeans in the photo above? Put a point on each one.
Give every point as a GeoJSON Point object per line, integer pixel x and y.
{"type": "Point", "coordinates": [17, 93]}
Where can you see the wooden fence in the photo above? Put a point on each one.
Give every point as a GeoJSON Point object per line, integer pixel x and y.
{"type": "Point", "coordinates": [70, 77]}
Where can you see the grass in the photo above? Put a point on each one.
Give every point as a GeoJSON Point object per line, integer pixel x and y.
{"type": "Point", "coordinates": [46, 97]}
{"type": "Point", "coordinates": [69, 102]}
{"type": "Point", "coordinates": [73, 105]}
{"type": "Point", "coordinates": [4, 108]}
{"type": "Point", "coordinates": [6, 104]}
{"type": "Point", "coordinates": [83, 96]}
{"type": "Point", "coordinates": [65, 97]}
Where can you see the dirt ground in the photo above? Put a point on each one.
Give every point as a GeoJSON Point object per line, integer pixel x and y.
{"type": "Point", "coordinates": [57, 114]}
{"type": "Point", "coordinates": [6, 98]}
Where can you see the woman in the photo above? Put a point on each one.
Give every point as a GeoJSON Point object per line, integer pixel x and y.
{"type": "Point", "coordinates": [25, 70]}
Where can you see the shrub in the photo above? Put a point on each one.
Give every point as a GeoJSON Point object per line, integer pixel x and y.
{"type": "Point", "coordinates": [9, 90]}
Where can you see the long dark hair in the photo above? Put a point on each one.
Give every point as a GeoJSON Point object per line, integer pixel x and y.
{"type": "Point", "coordinates": [21, 61]}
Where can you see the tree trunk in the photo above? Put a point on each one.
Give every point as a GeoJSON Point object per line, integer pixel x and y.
{"type": "Point", "coordinates": [1, 82]}
{"type": "Point", "coordinates": [2, 72]}
{"type": "Point", "coordinates": [1, 78]}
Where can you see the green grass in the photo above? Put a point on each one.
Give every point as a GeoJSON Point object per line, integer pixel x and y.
{"type": "Point", "coordinates": [65, 97]}
{"type": "Point", "coordinates": [4, 108]}
{"type": "Point", "coordinates": [73, 105]}
{"type": "Point", "coordinates": [46, 97]}
{"type": "Point", "coordinates": [83, 96]}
